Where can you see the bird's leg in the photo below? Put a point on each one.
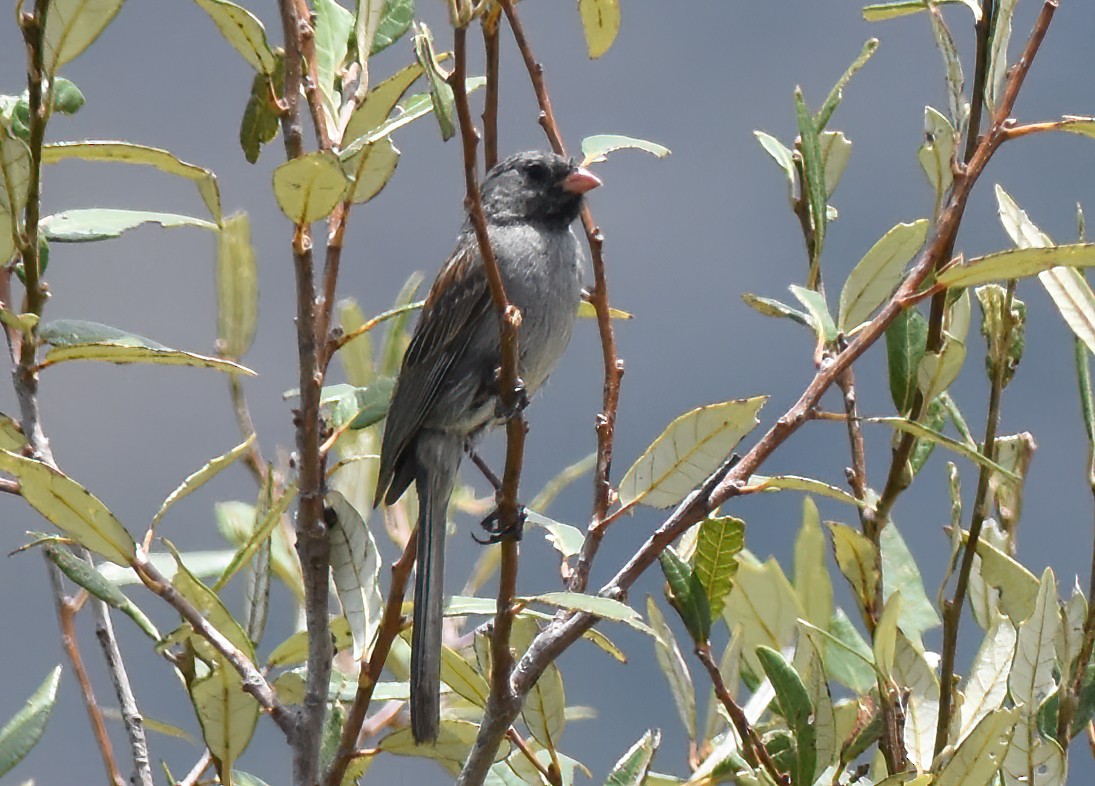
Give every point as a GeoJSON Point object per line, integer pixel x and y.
{"type": "Point", "coordinates": [517, 405]}
{"type": "Point", "coordinates": [478, 461]}
{"type": "Point", "coordinates": [492, 523]}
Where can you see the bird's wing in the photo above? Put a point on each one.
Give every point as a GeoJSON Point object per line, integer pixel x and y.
{"type": "Point", "coordinates": [458, 300]}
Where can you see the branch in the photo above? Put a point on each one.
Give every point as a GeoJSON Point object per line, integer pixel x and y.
{"type": "Point", "coordinates": [613, 366]}
{"type": "Point", "coordinates": [492, 51]}
{"type": "Point", "coordinates": [131, 715]}
{"type": "Point", "coordinates": [66, 615]}
{"type": "Point", "coordinates": [561, 633]}
{"type": "Point", "coordinates": [390, 624]}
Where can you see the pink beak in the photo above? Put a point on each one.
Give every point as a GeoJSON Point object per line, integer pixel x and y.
{"type": "Point", "coordinates": [580, 181]}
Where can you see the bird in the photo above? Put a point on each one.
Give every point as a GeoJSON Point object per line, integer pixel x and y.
{"type": "Point", "coordinates": [447, 393]}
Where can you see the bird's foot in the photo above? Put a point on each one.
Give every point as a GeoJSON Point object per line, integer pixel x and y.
{"type": "Point", "coordinates": [497, 531]}
{"type": "Point", "coordinates": [516, 406]}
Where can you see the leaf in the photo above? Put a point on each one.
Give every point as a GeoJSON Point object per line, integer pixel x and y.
{"type": "Point", "coordinates": [796, 708]}
{"type": "Point", "coordinates": [308, 188]}
{"type": "Point", "coordinates": [566, 539]}
{"type": "Point", "coordinates": [885, 638]}
{"type": "Point", "coordinates": [26, 727]}
{"type": "Point", "coordinates": [84, 574]}
{"type": "Point", "coordinates": [715, 563]}
{"type": "Point", "coordinates": [877, 12]}
{"type": "Point", "coordinates": [918, 682]}
{"type": "Point", "coordinates": [938, 370]}
{"type": "Point", "coordinates": [987, 684]}
{"type": "Point", "coordinates": [332, 30]}
{"type": "Point", "coordinates": [952, 61]}
{"type": "Point", "coordinates": [462, 677]}
{"type": "Point", "coordinates": [596, 148]}
{"type": "Point", "coordinates": [441, 95]}
{"type": "Point", "coordinates": [1017, 263]}
{"type": "Point", "coordinates": [67, 97]}
{"type": "Point", "coordinates": [256, 534]}
{"type": "Point", "coordinates": [978, 757]}
{"type": "Point", "coordinates": [671, 661]}
{"type": "Point", "coordinates": [128, 153]}
{"type": "Point", "coordinates": [243, 31]}
{"type": "Point", "coordinates": [600, 23]}
{"type": "Point", "coordinates": [212, 608]}
{"type": "Point", "coordinates": [784, 158]}
{"type": "Point", "coordinates": [690, 449]}
{"type": "Point", "coordinates": [850, 662]}
{"type": "Point", "coordinates": [71, 508]}
{"type": "Point", "coordinates": [12, 437]}
{"type": "Point", "coordinates": [370, 168]}
{"type": "Point", "coordinates": [205, 473]}
{"type": "Point", "coordinates": [544, 710]}
{"type": "Point", "coordinates": [936, 155]}
{"type": "Point", "coordinates": [260, 123]}
{"type": "Point", "coordinates": [237, 287]}
{"type": "Point", "coordinates": [379, 102]}
{"type": "Point", "coordinates": [294, 650]}
{"type": "Point", "coordinates": [807, 485]}
{"type": "Point", "coordinates": [606, 608]}
{"type": "Point", "coordinates": [355, 569]}
{"type": "Point", "coordinates": [812, 583]}
{"type": "Point", "coordinates": [1018, 586]}
{"type": "Point", "coordinates": [837, 93]}
{"type": "Point", "coordinates": [763, 603]}
{"type": "Point", "coordinates": [686, 595]}
{"type": "Point", "coordinates": [1031, 681]}
{"type": "Point", "coordinates": [100, 223]}
{"type": "Point", "coordinates": [634, 766]}
{"type": "Point", "coordinates": [226, 713]}
{"type": "Point", "coordinates": [922, 432]}
{"type": "Point", "coordinates": [901, 575]}
{"type": "Point", "coordinates": [856, 558]}
{"type": "Point", "coordinates": [815, 304]}
{"type": "Point", "coordinates": [395, 20]}
{"type": "Point", "coordinates": [836, 151]}
{"type": "Point", "coordinates": [814, 185]}
{"type": "Point", "coordinates": [455, 739]}
{"type": "Point", "coordinates": [998, 53]}
{"type": "Point", "coordinates": [876, 276]}
{"type": "Point", "coordinates": [906, 341]}
{"type": "Point", "coordinates": [75, 339]}
{"type": "Point", "coordinates": [72, 26]}
{"type": "Point", "coordinates": [770, 307]}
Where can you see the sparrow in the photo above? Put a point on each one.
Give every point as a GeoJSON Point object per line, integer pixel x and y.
{"type": "Point", "coordinates": [447, 393]}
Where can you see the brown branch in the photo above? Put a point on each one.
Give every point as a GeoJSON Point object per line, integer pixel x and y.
{"type": "Point", "coordinates": [613, 366]}
{"type": "Point", "coordinates": [9, 486]}
{"type": "Point", "coordinates": [561, 633]}
{"type": "Point", "coordinates": [196, 771]}
{"type": "Point", "coordinates": [391, 622]}
{"type": "Point", "coordinates": [522, 745]}
{"type": "Point", "coordinates": [66, 615]}
{"type": "Point", "coordinates": [336, 236]}
{"type": "Point", "coordinates": [492, 52]}
{"type": "Point", "coordinates": [253, 681]}
{"type": "Point", "coordinates": [253, 457]}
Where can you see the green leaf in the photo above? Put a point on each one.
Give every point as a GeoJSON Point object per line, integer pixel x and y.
{"type": "Point", "coordinates": [714, 562]}
{"type": "Point", "coordinates": [774, 308]}
{"type": "Point", "coordinates": [91, 224]}
{"type": "Point", "coordinates": [977, 759]}
{"type": "Point", "coordinates": [884, 645]}
{"type": "Point", "coordinates": [461, 676]}
{"type": "Point", "coordinates": [355, 569]}
{"type": "Point", "coordinates": [333, 27]}
{"type": "Point", "coordinates": [255, 535]}
{"type": "Point", "coordinates": [900, 575]}
{"type": "Point", "coordinates": [72, 26]}
{"type": "Point", "coordinates": [877, 275]}
{"type": "Point", "coordinates": [856, 558]}
{"type": "Point", "coordinates": [294, 650]}
{"type": "Point", "coordinates": [395, 20]}
{"type": "Point", "coordinates": [938, 370]}
{"type": "Point", "coordinates": [596, 148]}
{"type": "Point", "coordinates": [455, 739]}
{"type": "Point", "coordinates": [934, 419]}
{"type": "Point", "coordinates": [922, 432]}
{"type": "Point", "coordinates": [1017, 263]}
{"type": "Point", "coordinates": [783, 157]}
{"type": "Point", "coordinates": [310, 187]}
{"type": "Point", "coordinates": [15, 168]}
{"type": "Point", "coordinates": [936, 155]}
{"type": "Point", "coordinates": [23, 731]}
{"type": "Point", "coordinates": [952, 61]}
{"type": "Point", "coordinates": [261, 120]}
{"type": "Point", "coordinates": [836, 151]}
{"type": "Point", "coordinates": [128, 153]}
{"type": "Point", "coordinates": [441, 95]}
{"type": "Point", "coordinates": [566, 539]}
{"type": "Point", "coordinates": [12, 438]}
{"type": "Point", "coordinates": [243, 31]}
{"type": "Point", "coordinates": [544, 710]}
{"type": "Point", "coordinates": [688, 451]}
{"type": "Point", "coordinates": [987, 685]}
{"type": "Point", "coordinates": [670, 660]}
{"type": "Point", "coordinates": [878, 12]}
{"type": "Point", "coordinates": [85, 575]}
{"type": "Point", "coordinates": [1018, 586]}
{"type": "Point", "coordinates": [686, 594]}
{"type": "Point", "coordinates": [1031, 680]}
{"type": "Point", "coordinates": [237, 287]}
{"type": "Point", "coordinates": [71, 508]}
{"type": "Point", "coordinates": [807, 485]}
{"type": "Point", "coordinates": [606, 608]}
{"type": "Point", "coordinates": [356, 356]}
{"type": "Point", "coordinates": [75, 339]}
{"type": "Point", "coordinates": [763, 604]}
{"type": "Point", "coordinates": [370, 168]}
{"type": "Point", "coordinates": [815, 304]}
{"type": "Point", "coordinates": [633, 767]}
{"type": "Point", "coordinates": [847, 656]}
{"type": "Point", "coordinates": [1005, 333]}
{"type": "Point", "coordinates": [917, 681]}
{"type": "Point", "coordinates": [600, 23]}
{"type": "Point", "coordinates": [380, 101]}
{"type": "Point", "coordinates": [999, 37]}
{"type": "Point", "coordinates": [813, 174]}
{"type": "Point", "coordinates": [812, 583]}
{"type": "Point", "coordinates": [67, 97]}
{"type": "Point", "coordinates": [797, 710]}
{"type": "Point", "coordinates": [837, 93]}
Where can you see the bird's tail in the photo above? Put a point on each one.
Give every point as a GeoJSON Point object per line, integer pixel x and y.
{"type": "Point", "coordinates": [438, 458]}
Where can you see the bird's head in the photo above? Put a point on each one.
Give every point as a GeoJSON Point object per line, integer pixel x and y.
{"type": "Point", "coordinates": [536, 187]}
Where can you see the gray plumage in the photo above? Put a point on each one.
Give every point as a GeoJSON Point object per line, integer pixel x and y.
{"type": "Point", "coordinates": [447, 393]}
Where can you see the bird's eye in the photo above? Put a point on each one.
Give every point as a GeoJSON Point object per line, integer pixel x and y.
{"type": "Point", "coordinates": [537, 172]}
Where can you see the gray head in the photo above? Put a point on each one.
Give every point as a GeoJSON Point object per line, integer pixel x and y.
{"type": "Point", "coordinates": [536, 187]}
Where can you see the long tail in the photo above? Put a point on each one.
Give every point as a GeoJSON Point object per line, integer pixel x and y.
{"type": "Point", "coordinates": [438, 458]}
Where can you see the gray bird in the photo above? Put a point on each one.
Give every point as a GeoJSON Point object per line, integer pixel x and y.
{"type": "Point", "coordinates": [448, 392]}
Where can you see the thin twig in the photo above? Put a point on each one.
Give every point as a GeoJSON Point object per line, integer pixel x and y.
{"type": "Point", "coordinates": [9, 486]}
{"type": "Point", "coordinates": [755, 752]}
{"type": "Point", "coordinates": [522, 745]}
{"type": "Point", "coordinates": [127, 702]}
{"type": "Point", "coordinates": [66, 615]}
{"type": "Point", "coordinates": [562, 633]}
{"type": "Point", "coordinates": [253, 457]}
{"type": "Point", "coordinates": [196, 771]}
{"type": "Point", "coordinates": [391, 622]}
{"type": "Point", "coordinates": [492, 50]}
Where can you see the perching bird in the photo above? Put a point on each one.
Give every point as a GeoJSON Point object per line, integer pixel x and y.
{"type": "Point", "coordinates": [448, 390]}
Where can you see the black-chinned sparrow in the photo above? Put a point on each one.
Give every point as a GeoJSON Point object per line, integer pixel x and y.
{"type": "Point", "coordinates": [448, 394]}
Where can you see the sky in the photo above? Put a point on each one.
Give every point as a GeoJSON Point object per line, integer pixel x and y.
{"type": "Point", "coordinates": [685, 237]}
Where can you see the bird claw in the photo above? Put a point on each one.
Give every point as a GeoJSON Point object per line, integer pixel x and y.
{"type": "Point", "coordinates": [520, 400]}
{"type": "Point", "coordinates": [497, 532]}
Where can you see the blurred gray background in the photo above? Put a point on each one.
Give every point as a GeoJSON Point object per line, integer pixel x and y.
{"type": "Point", "coordinates": [685, 237]}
